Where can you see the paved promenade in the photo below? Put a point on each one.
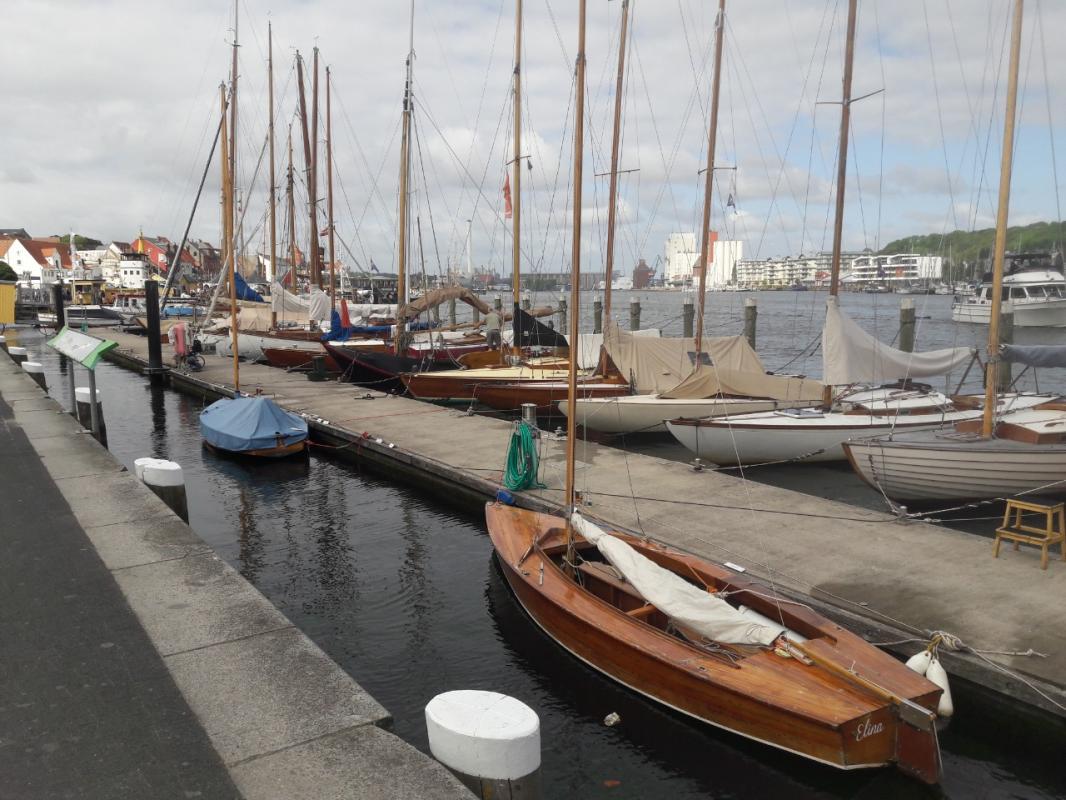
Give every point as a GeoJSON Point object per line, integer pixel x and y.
{"type": "Point", "coordinates": [137, 664]}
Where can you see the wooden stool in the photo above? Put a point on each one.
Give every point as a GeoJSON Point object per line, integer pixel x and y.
{"type": "Point", "coordinates": [1053, 532]}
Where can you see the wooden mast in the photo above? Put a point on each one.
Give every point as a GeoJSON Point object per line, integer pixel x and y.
{"type": "Point", "coordinates": [312, 180]}
{"type": "Point", "coordinates": [329, 196]}
{"type": "Point", "coordinates": [842, 170]}
{"type": "Point", "coordinates": [612, 201]}
{"type": "Point", "coordinates": [708, 190]}
{"type": "Point", "coordinates": [991, 372]}
{"type": "Point", "coordinates": [233, 134]}
{"type": "Point", "coordinates": [273, 177]}
{"type": "Point", "coordinates": [307, 158]}
{"type": "Point", "coordinates": [516, 180]}
{"type": "Point", "coordinates": [401, 236]}
{"type": "Point", "coordinates": [575, 276]}
{"type": "Point", "coordinates": [291, 214]}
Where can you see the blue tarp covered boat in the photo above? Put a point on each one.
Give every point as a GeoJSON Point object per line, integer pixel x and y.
{"type": "Point", "coordinates": [254, 426]}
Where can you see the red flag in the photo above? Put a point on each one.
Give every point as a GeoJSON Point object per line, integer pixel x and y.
{"type": "Point", "coordinates": [346, 321]}
{"type": "Point", "coordinates": [507, 197]}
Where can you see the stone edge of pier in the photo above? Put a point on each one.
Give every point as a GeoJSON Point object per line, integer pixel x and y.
{"type": "Point", "coordinates": [286, 720]}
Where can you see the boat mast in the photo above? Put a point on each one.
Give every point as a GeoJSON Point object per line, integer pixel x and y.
{"type": "Point", "coordinates": [273, 178]}
{"type": "Point", "coordinates": [842, 169]}
{"type": "Point", "coordinates": [991, 373]}
{"type": "Point", "coordinates": [612, 201]}
{"type": "Point", "coordinates": [329, 196]}
{"type": "Point", "coordinates": [292, 214]}
{"type": "Point", "coordinates": [708, 186]}
{"type": "Point", "coordinates": [233, 134]}
{"type": "Point", "coordinates": [575, 277]}
{"type": "Point", "coordinates": [516, 179]}
{"type": "Point", "coordinates": [312, 180]}
{"type": "Point", "coordinates": [307, 159]}
{"type": "Point", "coordinates": [405, 154]}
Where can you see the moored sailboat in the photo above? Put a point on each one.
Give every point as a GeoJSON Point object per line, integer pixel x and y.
{"type": "Point", "coordinates": [697, 638]}
{"type": "Point", "coordinates": [996, 456]}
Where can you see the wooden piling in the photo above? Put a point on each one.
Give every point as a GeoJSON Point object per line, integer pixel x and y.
{"type": "Point", "coordinates": [751, 317]}
{"type": "Point", "coordinates": [688, 315]}
{"type": "Point", "coordinates": [597, 316]}
{"type": "Point", "coordinates": [634, 314]}
{"type": "Point", "coordinates": [906, 325]}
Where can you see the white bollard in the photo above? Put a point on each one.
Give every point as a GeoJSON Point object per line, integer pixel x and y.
{"type": "Point", "coordinates": [36, 371]}
{"type": "Point", "coordinates": [167, 480]}
{"type": "Point", "coordinates": [18, 354]}
{"type": "Point", "coordinates": [489, 740]}
{"type": "Point", "coordinates": [85, 412]}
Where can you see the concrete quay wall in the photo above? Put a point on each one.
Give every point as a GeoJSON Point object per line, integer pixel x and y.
{"type": "Point", "coordinates": [286, 720]}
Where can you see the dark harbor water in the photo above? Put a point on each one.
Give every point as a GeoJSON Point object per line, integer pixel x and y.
{"type": "Point", "coordinates": [403, 592]}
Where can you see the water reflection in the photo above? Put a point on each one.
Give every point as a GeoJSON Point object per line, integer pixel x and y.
{"type": "Point", "coordinates": [157, 404]}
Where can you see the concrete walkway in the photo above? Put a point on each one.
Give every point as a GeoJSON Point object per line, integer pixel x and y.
{"type": "Point", "coordinates": [883, 577]}
{"type": "Point", "coordinates": [138, 664]}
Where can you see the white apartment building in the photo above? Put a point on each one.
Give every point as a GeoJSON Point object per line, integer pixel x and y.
{"type": "Point", "coordinates": [894, 270]}
{"type": "Point", "coordinates": [683, 254]}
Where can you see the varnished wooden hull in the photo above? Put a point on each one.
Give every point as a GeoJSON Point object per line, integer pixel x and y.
{"type": "Point", "coordinates": [281, 451]}
{"type": "Point", "coordinates": [297, 358]}
{"type": "Point", "coordinates": [804, 709]}
{"type": "Point", "coordinates": [545, 395]}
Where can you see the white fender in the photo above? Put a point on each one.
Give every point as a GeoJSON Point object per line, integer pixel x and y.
{"type": "Point", "coordinates": [919, 662]}
{"type": "Point", "coordinates": [939, 676]}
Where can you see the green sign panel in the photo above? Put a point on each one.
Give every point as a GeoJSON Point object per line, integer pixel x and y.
{"type": "Point", "coordinates": [81, 347]}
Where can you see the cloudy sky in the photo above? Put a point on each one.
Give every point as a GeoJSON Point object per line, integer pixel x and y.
{"type": "Point", "coordinates": [111, 106]}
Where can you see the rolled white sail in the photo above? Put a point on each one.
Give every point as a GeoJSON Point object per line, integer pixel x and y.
{"type": "Point", "coordinates": [682, 602]}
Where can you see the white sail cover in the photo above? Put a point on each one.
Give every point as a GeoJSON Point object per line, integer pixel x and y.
{"type": "Point", "coordinates": [851, 355]}
{"type": "Point", "coordinates": [590, 343]}
{"type": "Point", "coordinates": [687, 605]}
{"type": "Point", "coordinates": [318, 306]}
{"type": "Point", "coordinates": [284, 301]}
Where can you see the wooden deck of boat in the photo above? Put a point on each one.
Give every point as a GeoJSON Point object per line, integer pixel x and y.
{"type": "Point", "coordinates": [863, 567]}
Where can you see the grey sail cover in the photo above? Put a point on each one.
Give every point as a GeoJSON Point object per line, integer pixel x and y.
{"type": "Point", "coordinates": [851, 355]}
{"type": "Point", "coordinates": [1047, 355]}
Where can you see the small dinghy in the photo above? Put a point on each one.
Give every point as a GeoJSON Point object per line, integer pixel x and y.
{"type": "Point", "coordinates": [252, 426]}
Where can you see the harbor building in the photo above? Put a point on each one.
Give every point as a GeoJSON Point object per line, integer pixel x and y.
{"type": "Point", "coordinates": [682, 257]}
{"type": "Point", "coordinates": [895, 270]}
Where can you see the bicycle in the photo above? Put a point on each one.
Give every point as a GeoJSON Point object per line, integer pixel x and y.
{"type": "Point", "coordinates": [191, 361]}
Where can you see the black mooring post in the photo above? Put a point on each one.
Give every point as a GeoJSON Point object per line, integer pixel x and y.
{"type": "Point", "coordinates": [155, 369]}
{"type": "Point", "coordinates": [57, 301]}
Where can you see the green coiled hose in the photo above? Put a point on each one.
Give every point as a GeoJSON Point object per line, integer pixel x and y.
{"type": "Point", "coordinates": [522, 460]}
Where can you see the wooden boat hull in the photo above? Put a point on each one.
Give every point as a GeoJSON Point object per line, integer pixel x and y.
{"type": "Point", "coordinates": [929, 468]}
{"type": "Point", "coordinates": [545, 395]}
{"type": "Point", "coordinates": [782, 702]}
{"type": "Point", "coordinates": [297, 358]}
{"type": "Point", "coordinates": [281, 451]}
{"type": "Point", "coordinates": [381, 367]}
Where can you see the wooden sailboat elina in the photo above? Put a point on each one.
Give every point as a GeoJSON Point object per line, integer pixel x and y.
{"type": "Point", "coordinates": [697, 637]}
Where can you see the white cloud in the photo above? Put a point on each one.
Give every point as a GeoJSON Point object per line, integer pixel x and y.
{"type": "Point", "coordinates": [110, 116]}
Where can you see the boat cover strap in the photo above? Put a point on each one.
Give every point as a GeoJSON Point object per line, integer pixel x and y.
{"type": "Point", "coordinates": [1046, 355]}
